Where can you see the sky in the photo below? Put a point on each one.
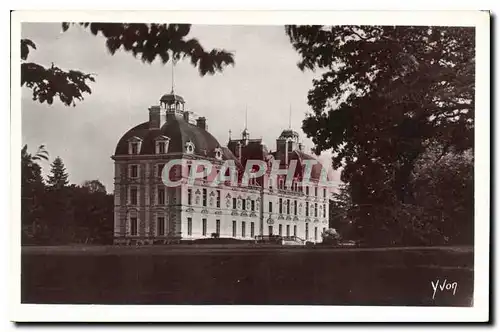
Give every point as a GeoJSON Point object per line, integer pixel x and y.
{"type": "Point", "coordinates": [265, 80]}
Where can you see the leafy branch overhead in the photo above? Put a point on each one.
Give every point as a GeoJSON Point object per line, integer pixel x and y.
{"type": "Point", "coordinates": [163, 41]}
{"type": "Point", "coordinates": [145, 41]}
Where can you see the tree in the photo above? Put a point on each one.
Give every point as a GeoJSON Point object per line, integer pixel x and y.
{"type": "Point", "coordinates": [94, 186]}
{"type": "Point", "coordinates": [387, 93]}
{"type": "Point", "coordinates": [168, 42]}
{"type": "Point", "coordinates": [32, 190]}
{"type": "Point", "coordinates": [59, 177]}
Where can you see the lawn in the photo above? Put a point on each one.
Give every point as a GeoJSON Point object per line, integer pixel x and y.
{"type": "Point", "coordinates": [245, 274]}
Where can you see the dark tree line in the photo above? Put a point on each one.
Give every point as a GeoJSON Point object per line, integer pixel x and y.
{"type": "Point", "coordinates": [56, 212]}
{"type": "Point", "coordinates": [395, 104]}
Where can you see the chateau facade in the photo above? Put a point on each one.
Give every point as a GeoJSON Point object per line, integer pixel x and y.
{"type": "Point", "coordinates": [147, 211]}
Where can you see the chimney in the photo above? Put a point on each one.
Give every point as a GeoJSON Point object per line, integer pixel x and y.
{"type": "Point", "coordinates": [185, 115]}
{"type": "Point", "coordinates": [156, 118]}
{"type": "Point", "coordinates": [201, 122]}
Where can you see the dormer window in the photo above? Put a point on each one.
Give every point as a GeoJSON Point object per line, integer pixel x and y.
{"type": "Point", "coordinates": [189, 147]}
{"type": "Point", "coordinates": [134, 145]}
{"type": "Point", "coordinates": [218, 153]}
{"type": "Point", "coordinates": [161, 144]}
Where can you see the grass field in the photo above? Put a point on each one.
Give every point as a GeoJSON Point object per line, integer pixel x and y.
{"type": "Point", "coordinates": [214, 274]}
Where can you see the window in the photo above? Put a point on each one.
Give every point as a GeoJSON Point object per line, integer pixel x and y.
{"type": "Point", "coordinates": [162, 147]}
{"type": "Point", "coordinates": [281, 205]}
{"type": "Point", "coordinates": [324, 229]}
{"type": "Point", "coordinates": [133, 226]}
{"type": "Point", "coordinates": [270, 230]}
{"type": "Point", "coordinates": [307, 209]}
{"type": "Point", "coordinates": [287, 230]}
{"type": "Point", "coordinates": [295, 207]}
{"type": "Point", "coordinates": [159, 169]}
{"type": "Point", "coordinates": [252, 205]}
{"type": "Point", "coordinates": [234, 228]}
{"type": "Point", "coordinates": [190, 196]}
{"type": "Point", "coordinates": [280, 229]}
{"type": "Point", "coordinates": [204, 197]}
{"type": "Point", "coordinates": [270, 184]}
{"type": "Point", "coordinates": [307, 191]}
{"type": "Point", "coordinates": [134, 171]}
{"type": "Point", "coordinates": [243, 205]}
{"type": "Point", "coordinates": [294, 230]}
{"type": "Point", "coordinates": [324, 192]}
{"type": "Point", "coordinates": [189, 147]}
{"type": "Point", "coordinates": [315, 233]}
{"type": "Point", "coordinates": [324, 210]}
{"type": "Point", "coordinates": [252, 229]}
{"type": "Point", "coordinates": [316, 191]}
{"type": "Point", "coordinates": [189, 171]}
{"type": "Point", "coordinates": [204, 226]}
{"type": "Point", "coordinates": [270, 206]}
{"type": "Point", "coordinates": [287, 206]}
{"type": "Point", "coordinates": [315, 209]}
{"type": "Point", "coordinates": [243, 229]}
{"type": "Point", "coordinates": [217, 226]}
{"type": "Point", "coordinates": [281, 183]}
{"type": "Point", "coordinates": [190, 226]}
{"type": "Point", "coordinates": [161, 196]}
{"type": "Point", "coordinates": [218, 153]}
{"type": "Point", "coordinates": [234, 203]}
{"type": "Point", "coordinates": [133, 196]}
{"type": "Point", "coordinates": [307, 231]}
{"type": "Point", "coordinates": [161, 226]}
{"type": "Point", "coordinates": [218, 198]}
{"type": "Point", "coordinates": [134, 148]}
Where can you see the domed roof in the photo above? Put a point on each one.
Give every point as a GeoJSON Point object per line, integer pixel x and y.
{"type": "Point", "coordinates": [179, 132]}
{"type": "Point", "coordinates": [171, 97]}
{"type": "Point", "coordinates": [288, 133]}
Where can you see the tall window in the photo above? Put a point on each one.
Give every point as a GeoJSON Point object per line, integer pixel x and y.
{"type": "Point", "coordinates": [315, 209]}
{"type": "Point", "coordinates": [307, 231]}
{"type": "Point", "coordinates": [159, 169]}
{"type": "Point", "coordinates": [315, 233]}
{"type": "Point", "coordinates": [217, 226]}
{"type": "Point", "coordinates": [133, 226]}
{"type": "Point", "coordinates": [270, 230]}
{"type": "Point", "coordinates": [287, 230]}
{"type": "Point", "coordinates": [295, 207]}
{"type": "Point", "coordinates": [133, 196]}
{"type": "Point", "coordinates": [324, 210]}
{"type": "Point", "coordinates": [324, 192]}
{"type": "Point", "coordinates": [287, 206]}
{"type": "Point", "coordinates": [218, 198]}
{"type": "Point", "coordinates": [161, 147]}
{"type": "Point", "coordinates": [280, 229]}
{"type": "Point", "coordinates": [189, 171]}
{"type": "Point", "coordinates": [161, 226]}
{"type": "Point", "coordinates": [243, 229]}
{"type": "Point", "coordinates": [252, 205]}
{"type": "Point", "coordinates": [161, 196]}
{"type": "Point", "coordinates": [307, 209]}
{"type": "Point", "coordinates": [252, 229]}
{"type": "Point", "coordinates": [204, 226]}
{"type": "Point", "coordinates": [307, 191]}
{"type": "Point", "coordinates": [243, 205]}
{"type": "Point", "coordinates": [234, 203]}
{"type": "Point", "coordinates": [234, 228]}
{"type": "Point", "coordinates": [281, 205]}
{"type": "Point", "coordinates": [294, 230]}
{"type": "Point", "coordinates": [190, 226]}
{"type": "Point", "coordinates": [134, 148]}
{"type": "Point", "coordinates": [204, 197]}
{"type": "Point", "coordinates": [270, 206]}
{"type": "Point", "coordinates": [134, 171]}
{"type": "Point", "coordinates": [190, 196]}
{"type": "Point", "coordinates": [316, 191]}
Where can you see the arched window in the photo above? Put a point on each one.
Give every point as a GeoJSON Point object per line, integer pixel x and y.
{"type": "Point", "coordinates": [189, 147]}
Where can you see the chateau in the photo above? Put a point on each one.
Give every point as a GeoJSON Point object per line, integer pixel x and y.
{"type": "Point", "coordinates": [147, 211]}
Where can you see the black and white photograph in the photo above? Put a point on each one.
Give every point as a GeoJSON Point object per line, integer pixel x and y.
{"type": "Point", "coordinates": [329, 162]}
